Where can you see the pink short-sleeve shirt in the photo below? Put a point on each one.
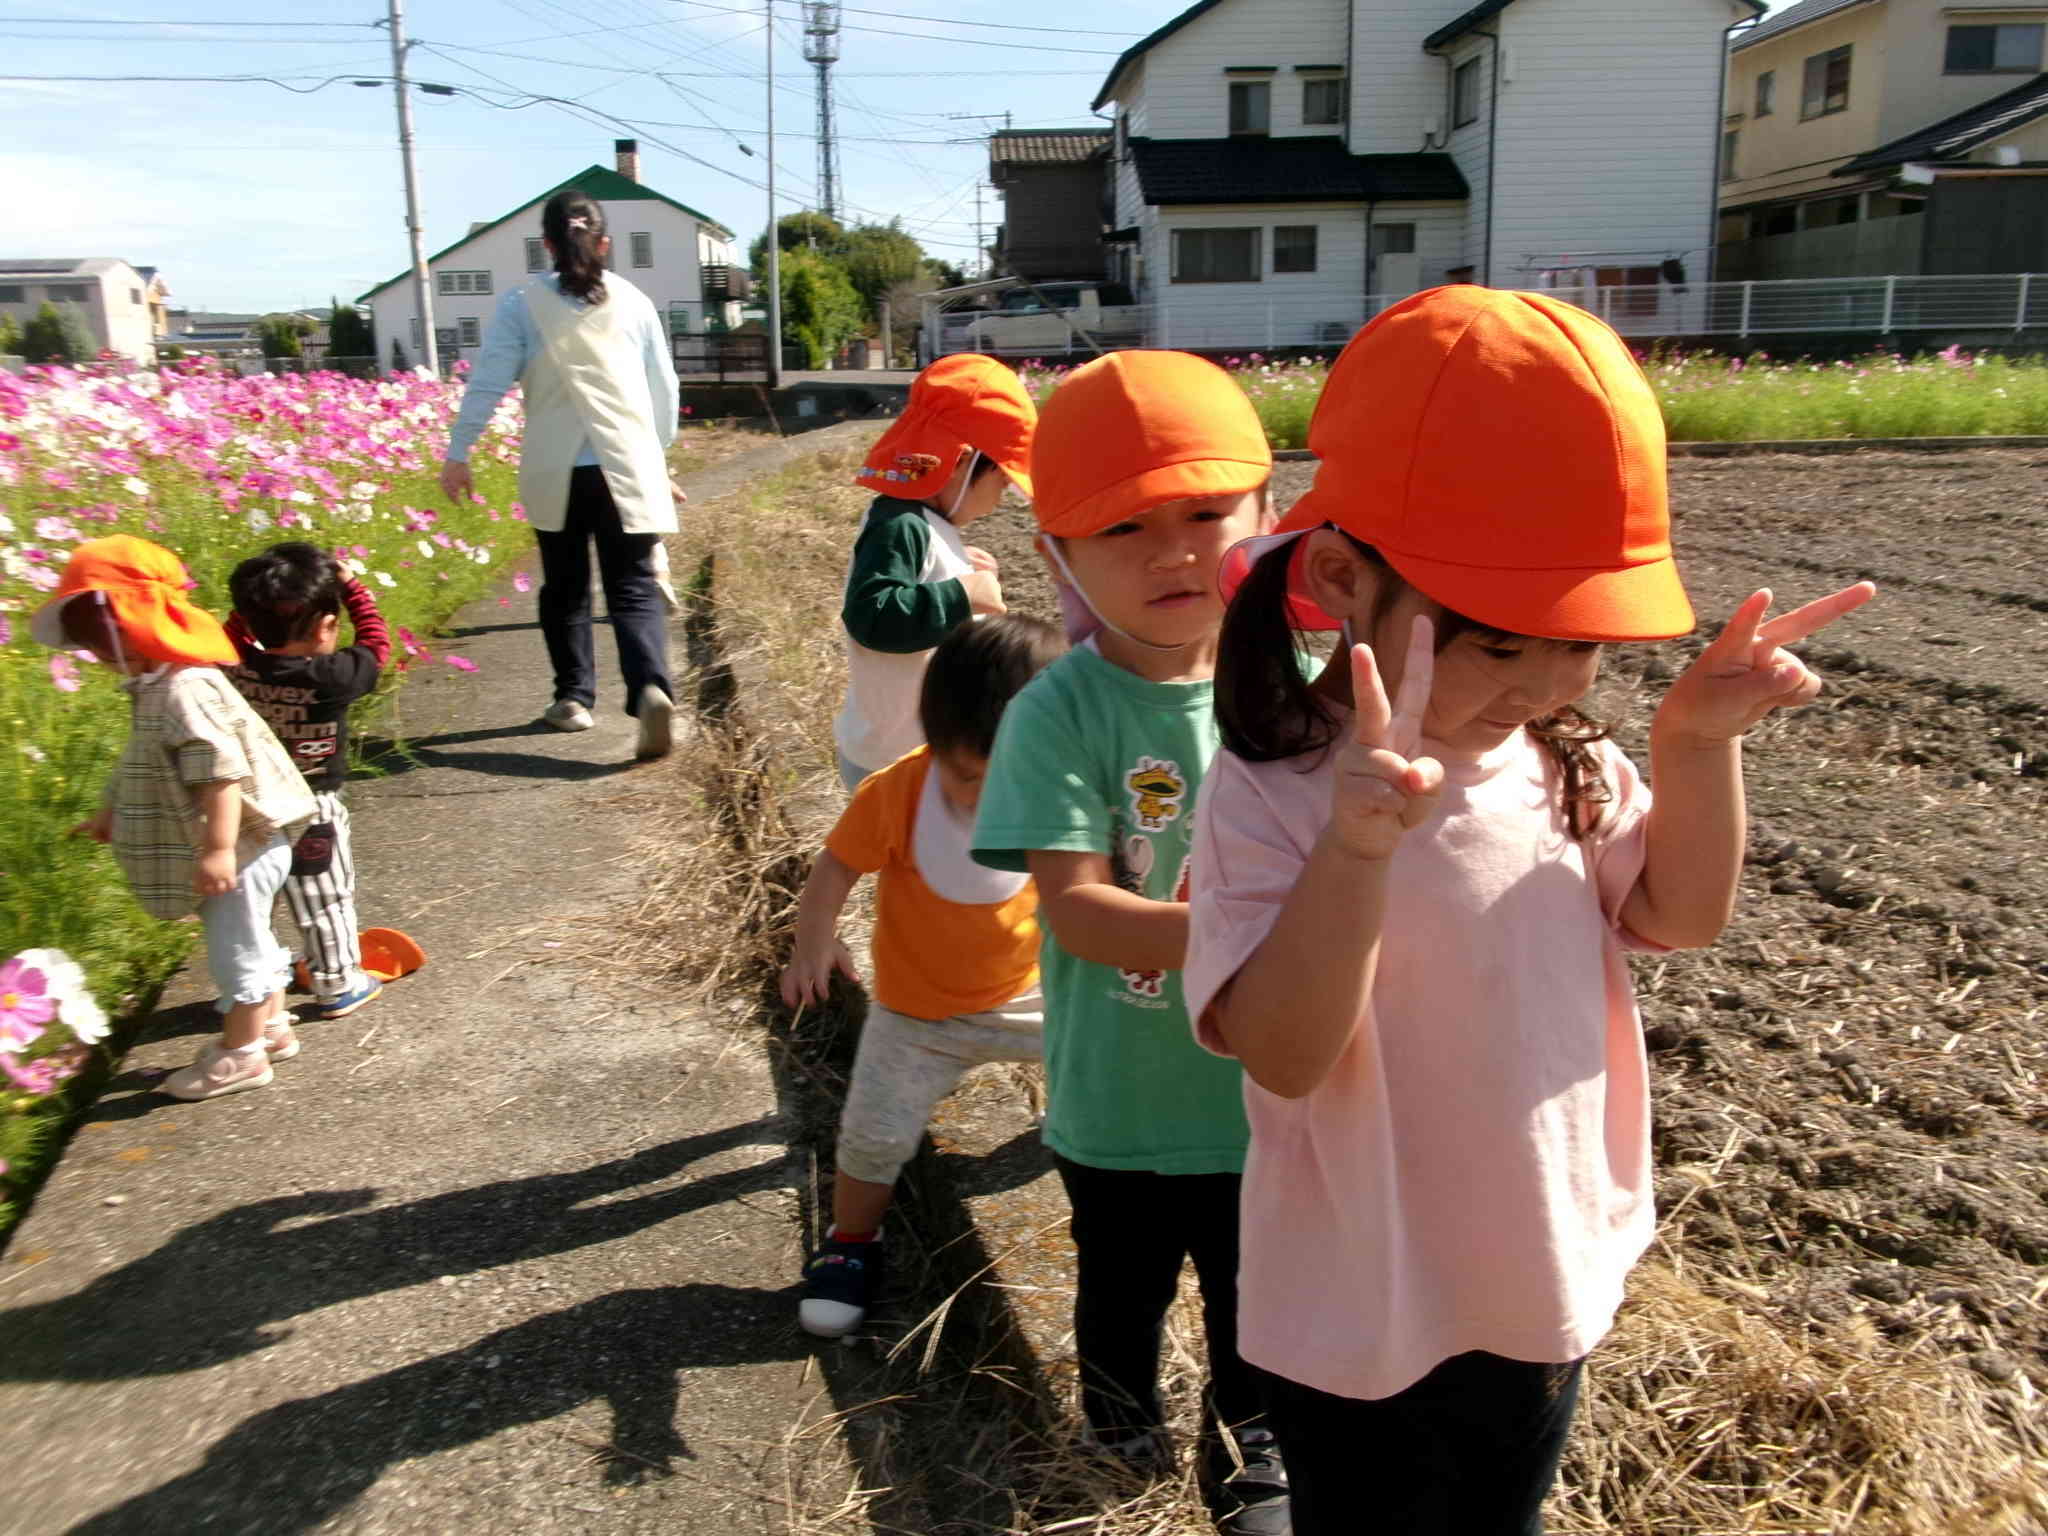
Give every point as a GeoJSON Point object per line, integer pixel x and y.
{"type": "Point", "coordinates": [1474, 1173]}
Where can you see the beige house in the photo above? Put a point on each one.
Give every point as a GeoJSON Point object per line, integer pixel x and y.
{"type": "Point", "coordinates": [119, 307]}
{"type": "Point", "coordinates": [1842, 117]}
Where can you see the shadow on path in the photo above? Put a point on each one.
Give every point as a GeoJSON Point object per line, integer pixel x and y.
{"type": "Point", "coordinates": [217, 1289]}
{"type": "Point", "coordinates": [292, 1467]}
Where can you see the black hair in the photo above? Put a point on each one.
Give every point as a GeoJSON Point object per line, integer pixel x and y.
{"type": "Point", "coordinates": [283, 593]}
{"type": "Point", "coordinates": [975, 672]}
{"type": "Point", "coordinates": [1268, 708]}
{"type": "Point", "coordinates": [574, 227]}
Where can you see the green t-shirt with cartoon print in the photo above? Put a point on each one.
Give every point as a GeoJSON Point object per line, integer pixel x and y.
{"type": "Point", "coordinates": [1093, 759]}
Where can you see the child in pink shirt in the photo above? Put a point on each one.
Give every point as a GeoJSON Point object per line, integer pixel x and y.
{"type": "Point", "coordinates": [1408, 918]}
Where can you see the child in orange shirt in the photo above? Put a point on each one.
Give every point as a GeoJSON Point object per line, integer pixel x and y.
{"type": "Point", "coordinates": [955, 947]}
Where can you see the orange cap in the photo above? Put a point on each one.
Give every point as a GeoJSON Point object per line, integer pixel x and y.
{"type": "Point", "coordinates": [145, 585]}
{"type": "Point", "coordinates": [1506, 455]}
{"type": "Point", "coordinates": [962, 402]}
{"type": "Point", "coordinates": [1133, 429]}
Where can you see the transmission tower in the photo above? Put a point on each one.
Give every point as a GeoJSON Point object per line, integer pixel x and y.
{"type": "Point", "coordinates": [821, 51]}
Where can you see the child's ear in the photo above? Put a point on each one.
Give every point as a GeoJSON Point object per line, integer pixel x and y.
{"type": "Point", "coordinates": [329, 629]}
{"type": "Point", "coordinates": [1341, 581]}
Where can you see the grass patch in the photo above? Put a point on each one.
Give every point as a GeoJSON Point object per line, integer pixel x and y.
{"type": "Point", "coordinates": [1707, 397]}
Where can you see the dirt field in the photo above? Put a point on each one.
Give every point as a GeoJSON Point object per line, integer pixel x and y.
{"type": "Point", "coordinates": [1849, 1086]}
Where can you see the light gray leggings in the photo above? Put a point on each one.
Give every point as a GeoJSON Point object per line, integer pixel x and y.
{"type": "Point", "coordinates": [904, 1066]}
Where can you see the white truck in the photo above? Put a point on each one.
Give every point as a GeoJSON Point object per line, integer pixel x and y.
{"type": "Point", "coordinates": [1047, 318]}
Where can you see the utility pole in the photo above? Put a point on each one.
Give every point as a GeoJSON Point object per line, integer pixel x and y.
{"type": "Point", "coordinates": [980, 249]}
{"type": "Point", "coordinates": [422, 292]}
{"type": "Point", "coordinates": [821, 51]}
{"type": "Point", "coordinates": [774, 231]}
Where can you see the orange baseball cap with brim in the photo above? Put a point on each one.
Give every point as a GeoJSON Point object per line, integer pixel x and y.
{"type": "Point", "coordinates": [389, 954]}
{"type": "Point", "coordinates": [145, 586]}
{"type": "Point", "coordinates": [1131, 430]}
{"type": "Point", "coordinates": [961, 403]}
{"type": "Point", "coordinates": [1506, 455]}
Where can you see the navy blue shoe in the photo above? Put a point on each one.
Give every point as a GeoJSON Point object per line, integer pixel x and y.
{"type": "Point", "coordinates": [347, 1003]}
{"type": "Point", "coordinates": [840, 1283]}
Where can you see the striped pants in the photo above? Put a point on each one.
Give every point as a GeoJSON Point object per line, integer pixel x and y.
{"type": "Point", "coordinates": [324, 907]}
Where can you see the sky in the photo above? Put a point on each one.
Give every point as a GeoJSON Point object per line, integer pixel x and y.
{"type": "Point", "coordinates": [252, 196]}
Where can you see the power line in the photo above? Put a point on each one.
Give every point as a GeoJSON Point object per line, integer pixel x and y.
{"type": "Point", "coordinates": [146, 21]}
{"type": "Point", "coordinates": [977, 42]}
{"type": "Point", "coordinates": [1004, 26]}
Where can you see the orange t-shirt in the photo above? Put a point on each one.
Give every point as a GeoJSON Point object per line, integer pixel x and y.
{"type": "Point", "coordinates": [933, 958]}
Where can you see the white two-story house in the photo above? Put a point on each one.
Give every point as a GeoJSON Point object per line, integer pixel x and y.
{"type": "Point", "coordinates": [118, 306]}
{"type": "Point", "coordinates": [681, 259]}
{"type": "Point", "coordinates": [1285, 168]}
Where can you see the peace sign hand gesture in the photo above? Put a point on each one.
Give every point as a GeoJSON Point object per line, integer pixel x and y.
{"type": "Point", "coordinates": [1381, 788]}
{"type": "Point", "coordinates": [1743, 674]}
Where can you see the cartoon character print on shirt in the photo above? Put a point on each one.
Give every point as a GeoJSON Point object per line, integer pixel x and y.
{"type": "Point", "coordinates": [1157, 794]}
{"type": "Point", "coordinates": [1157, 787]}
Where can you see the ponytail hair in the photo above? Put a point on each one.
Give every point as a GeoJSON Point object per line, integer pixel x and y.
{"type": "Point", "coordinates": [574, 227]}
{"type": "Point", "coordinates": [1268, 709]}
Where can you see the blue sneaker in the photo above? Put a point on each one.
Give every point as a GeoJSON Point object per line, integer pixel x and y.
{"type": "Point", "coordinates": [348, 1002]}
{"type": "Point", "coordinates": [840, 1284]}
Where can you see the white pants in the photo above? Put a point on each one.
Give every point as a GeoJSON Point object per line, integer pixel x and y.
{"type": "Point", "coordinates": [324, 907]}
{"type": "Point", "coordinates": [904, 1066]}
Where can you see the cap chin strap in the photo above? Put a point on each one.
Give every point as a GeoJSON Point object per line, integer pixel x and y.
{"type": "Point", "coordinates": [106, 606]}
{"type": "Point", "coordinates": [1058, 557]}
{"type": "Point", "coordinates": [966, 485]}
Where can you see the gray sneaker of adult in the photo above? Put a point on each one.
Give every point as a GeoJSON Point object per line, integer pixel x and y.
{"type": "Point", "coordinates": [657, 724]}
{"type": "Point", "coordinates": [567, 715]}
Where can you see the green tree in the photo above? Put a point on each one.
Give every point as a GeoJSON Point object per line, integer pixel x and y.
{"type": "Point", "coordinates": [348, 332]}
{"type": "Point", "coordinates": [802, 231]}
{"type": "Point", "coordinates": [946, 274]}
{"type": "Point", "coordinates": [821, 309]}
{"type": "Point", "coordinates": [57, 335]}
{"type": "Point", "coordinates": [282, 336]}
{"type": "Point", "coordinates": [878, 258]}
{"type": "Point", "coordinates": [10, 335]}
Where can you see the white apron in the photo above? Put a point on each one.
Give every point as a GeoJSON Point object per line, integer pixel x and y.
{"type": "Point", "coordinates": [590, 382]}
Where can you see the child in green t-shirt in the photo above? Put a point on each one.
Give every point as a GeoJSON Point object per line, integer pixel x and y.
{"type": "Point", "coordinates": [1148, 466]}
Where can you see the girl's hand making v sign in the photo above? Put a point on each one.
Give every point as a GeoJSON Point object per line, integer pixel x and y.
{"type": "Point", "coordinates": [1744, 675]}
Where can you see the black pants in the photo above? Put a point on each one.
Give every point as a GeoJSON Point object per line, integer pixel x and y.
{"type": "Point", "coordinates": [625, 565]}
{"type": "Point", "coordinates": [1469, 1450]}
{"type": "Point", "coordinates": [1132, 1230]}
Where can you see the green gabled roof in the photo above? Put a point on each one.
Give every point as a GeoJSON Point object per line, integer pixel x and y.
{"type": "Point", "coordinates": [597, 183]}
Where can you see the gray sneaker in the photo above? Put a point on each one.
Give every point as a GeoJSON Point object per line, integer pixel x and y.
{"type": "Point", "coordinates": [567, 715]}
{"type": "Point", "coordinates": [657, 724]}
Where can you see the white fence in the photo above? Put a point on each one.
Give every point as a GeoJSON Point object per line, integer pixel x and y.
{"type": "Point", "coordinates": [1874, 306]}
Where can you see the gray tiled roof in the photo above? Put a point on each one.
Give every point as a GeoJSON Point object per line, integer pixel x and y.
{"type": "Point", "coordinates": [1960, 133]}
{"type": "Point", "coordinates": [1797, 14]}
{"type": "Point", "coordinates": [1047, 146]}
{"type": "Point", "coordinates": [1288, 170]}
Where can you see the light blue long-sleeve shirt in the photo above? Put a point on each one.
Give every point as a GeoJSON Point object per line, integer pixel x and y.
{"type": "Point", "coordinates": [514, 340]}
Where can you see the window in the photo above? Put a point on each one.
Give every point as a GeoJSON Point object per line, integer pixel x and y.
{"type": "Point", "coordinates": [1251, 106]}
{"type": "Point", "coordinates": [643, 248]}
{"type": "Point", "coordinates": [1294, 248]}
{"type": "Point", "coordinates": [1637, 290]}
{"type": "Point", "coordinates": [1729, 141]}
{"type": "Point", "coordinates": [447, 283]}
{"type": "Point", "coordinates": [1826, 86]}
{"type": "Point", "coordinates": [536, 255]}
{"type": "Point", "coordinates": [13, 293]}
{"type": "Point", "coordinates": [2011, 48]}
{"type": "Point", "coordinates": [418, 335]}
{"type": "Point", "coordinates": [1322, 100]}
{"type": "Point", "coordinates": [134, 295]}
{"type": "Point", "coordinates": [1465, 93]}
{"type": "Point", "coordinates": [1215, 255]}
{"type": "Point", "coordinates": [1393, 240]}
{"type": "Point", "coordinates": [66, 293]}
{"type": "Point", "coordinates": [469, 332]}
{"type": "Point", "coordinates": [1766, 90]}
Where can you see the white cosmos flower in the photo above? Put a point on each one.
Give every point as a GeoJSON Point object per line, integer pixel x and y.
{"type": "Point", "coordinates": [65, 979]}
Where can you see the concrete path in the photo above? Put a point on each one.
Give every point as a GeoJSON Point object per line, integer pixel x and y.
{"type": "Point", "coordinates": [509, 1250]}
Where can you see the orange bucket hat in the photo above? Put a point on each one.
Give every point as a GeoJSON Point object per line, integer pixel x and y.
{"type": "Point", "coordinates": [145, 586]}
{"type": "Point", "coordinates": [963, 402]}
{"type": "Point", "coordinates": [1131, 430]}
{"type": "Point", "coordinates": [1505, 454]}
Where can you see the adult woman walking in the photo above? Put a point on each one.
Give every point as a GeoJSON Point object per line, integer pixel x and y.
{"type": "Point", "coordinates": [600, 413]}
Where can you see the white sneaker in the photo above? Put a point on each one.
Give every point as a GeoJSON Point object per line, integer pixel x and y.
{"type": "Point", "coordinates": [568, 715]}
{"type": "Point", "coordinates": [218, 1071]}
{"type": "Point", "coordinates": [657, 724]}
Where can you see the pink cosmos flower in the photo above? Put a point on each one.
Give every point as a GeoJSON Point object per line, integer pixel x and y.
{"type": "Point", "coordinates": [460, 663]}
{"type": "Point", "coordinates": [522, 582]}
{"type": "Point", "coordinates": [37, 1077]}
{"type": "Point", "coordinates": [6, 631]}
{"type": "Point", "coordinates": [63, 673]}
{"type": "Point", "coordinates": [25, 1002]}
